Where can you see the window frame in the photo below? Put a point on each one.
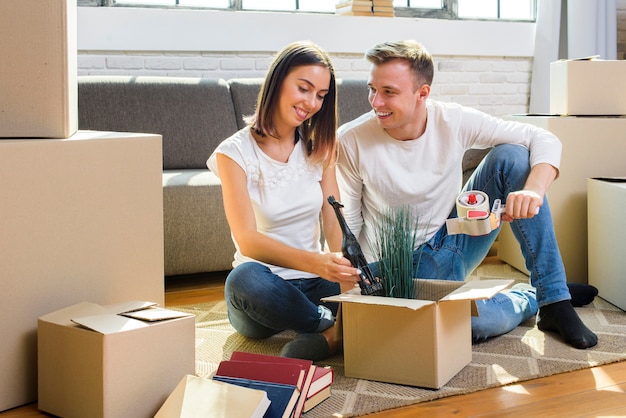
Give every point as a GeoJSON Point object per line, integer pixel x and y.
{"type": "Point", "coordinates": [141, 29]}
{"type": "Point", "coordinates": [449, 10]}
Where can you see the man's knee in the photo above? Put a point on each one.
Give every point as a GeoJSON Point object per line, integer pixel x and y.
{"type": "Point", "coordinates": [510, 153]}
{"type": "Point", "coordinates": [513, 161]}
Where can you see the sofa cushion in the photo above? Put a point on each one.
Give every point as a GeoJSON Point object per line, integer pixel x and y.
{"type": "Point", "coordinates": [471, 159]}
{"type": "Point", "coordinates": [192, 114]}
{"type": "Point", "coordinates": [352, 99]}
{"type": "Point", "coordinates": [244, 93]}
{"type": "Point", "coordinates": [196, 233]}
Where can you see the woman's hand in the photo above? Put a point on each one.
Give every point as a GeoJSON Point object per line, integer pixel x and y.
{"type": "Point", "coordinates": [336, 268]}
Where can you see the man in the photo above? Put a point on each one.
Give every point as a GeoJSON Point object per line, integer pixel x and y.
{"type": "Point", "coordinates": [408, 152]}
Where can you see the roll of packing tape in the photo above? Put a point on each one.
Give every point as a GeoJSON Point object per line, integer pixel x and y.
{"type": "Point", "coordinates": [473, 200]}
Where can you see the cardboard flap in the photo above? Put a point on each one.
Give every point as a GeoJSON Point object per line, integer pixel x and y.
{"type": "Point", "coordinates": [64, 316]}
{"type": "Point", "coordinates": [109, 323]}
{"type": "Point", "coordinates": [478, 289]}
{"type": "Point", "coordinates": [434, 289]}
{"type": "Point", "coordinates": [155, 314]}
{"type": "Point", "coordinates": [129, 306]}
{"type": "Point", "coordinates": [589, 58]}
{"type": "Point", "coordinates": [618, 180]}
{"type": "Point", "coordinates": [352, 296]}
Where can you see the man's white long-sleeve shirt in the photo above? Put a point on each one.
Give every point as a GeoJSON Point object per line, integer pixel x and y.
{"type": "Point", "coordinates": [377, 172]}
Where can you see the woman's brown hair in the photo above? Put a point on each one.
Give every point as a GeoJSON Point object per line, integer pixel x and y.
{"type": "Point", "coordinates": [319, 131]}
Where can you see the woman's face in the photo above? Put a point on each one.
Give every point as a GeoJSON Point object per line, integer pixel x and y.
{"type": "Point", "coordinates": [302, 95]}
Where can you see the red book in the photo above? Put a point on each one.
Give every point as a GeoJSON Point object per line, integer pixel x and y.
{"type": "Point", "coordinates": [318, 398]}
{"type": "Point", "coordinates": [286, 373]}
{"type": "Point", "coordinates": [322, 377]}
{"type": "Point", "coordinates": [307, 365]}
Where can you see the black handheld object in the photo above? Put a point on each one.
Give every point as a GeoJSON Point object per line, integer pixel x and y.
{"type": "Point", "coordinates": [351, 249]}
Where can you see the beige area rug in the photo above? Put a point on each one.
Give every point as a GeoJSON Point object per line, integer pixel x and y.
{"type": "Point", "coordinates": [523, 354]}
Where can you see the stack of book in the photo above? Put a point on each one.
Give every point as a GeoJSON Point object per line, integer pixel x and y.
{"type": "Point", "coordinates": [383, 8]}
{"type": "Point", "coordinates": [319, 390]}
{"type": "Point", "coordinates": [365, 8]}
{"type": "Point", "coordinates": [198, 397]}
{"type": "Point", "coordinates": [293, 386]}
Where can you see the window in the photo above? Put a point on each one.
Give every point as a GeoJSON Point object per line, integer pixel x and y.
{"type": "Point", "coordinates": [522, 10]}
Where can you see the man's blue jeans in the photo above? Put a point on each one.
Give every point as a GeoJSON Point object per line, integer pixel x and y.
{"type": "Point", "coordinates": [454, 257]}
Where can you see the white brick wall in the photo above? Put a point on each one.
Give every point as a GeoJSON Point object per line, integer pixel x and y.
{"type": "Point", "coordinates": [498, 86]}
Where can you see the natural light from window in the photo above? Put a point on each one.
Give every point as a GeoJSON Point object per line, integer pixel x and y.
{"type": "Point", "coordinates": [467, 9]}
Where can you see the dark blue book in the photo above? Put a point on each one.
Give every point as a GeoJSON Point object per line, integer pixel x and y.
{"type": "Point", "coordinates": [283, 397]}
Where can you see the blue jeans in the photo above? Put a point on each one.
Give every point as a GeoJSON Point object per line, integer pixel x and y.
{"type": "Point", "coordinates": [454, 257]}
{"type": "Point", "coordinates": [261, 304]}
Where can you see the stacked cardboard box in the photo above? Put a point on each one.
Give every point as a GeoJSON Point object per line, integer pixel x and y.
{"type": "Point", "coordinates": [591, 124]}
{"type": "Point", "coordinates": [568, 96]}
{"type": "Point", "coordinates": [82, 212]}
{"type": "Point", "coordinates": [39, 89]}
{"type": "Point", "coordinates": [607, 231]}
{"type": "Point", "coordinates": [365, 8]}
{"type": "Point", "coordinates": [82, 219]}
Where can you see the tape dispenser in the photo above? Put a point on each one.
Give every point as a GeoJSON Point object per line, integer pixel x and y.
{"type": "Point", "coordinates": [474, 217]}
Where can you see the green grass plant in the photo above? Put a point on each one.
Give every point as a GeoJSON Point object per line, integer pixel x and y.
{"type": "Point", "coordinates": [393, 243]}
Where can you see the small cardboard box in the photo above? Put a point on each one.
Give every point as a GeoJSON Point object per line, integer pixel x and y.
{"type": "Point", "coordinates": [94, 361]}
{"type": "Point", "coordinates": [419, 342]}
{"type": "Point", "coordinates": [570, 81]}
{"type": "Point", "coordinates": [39, 87]}
{"type": "Point", "coordinates": [607, 238]}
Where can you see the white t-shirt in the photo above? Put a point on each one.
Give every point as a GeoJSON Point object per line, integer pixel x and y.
{"type": "Point", "coordinates": [286, 197]}
{"type": "Point", "coordinates": [377, 172]}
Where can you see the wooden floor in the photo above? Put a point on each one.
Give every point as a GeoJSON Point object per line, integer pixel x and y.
{"type": "Point", "coordinates": [595, 392]}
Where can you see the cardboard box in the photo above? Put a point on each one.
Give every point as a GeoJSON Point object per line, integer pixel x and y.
{"type": "Point", "coordinates": [81, 219]}
{"type": "Point", "coordinates": [419, 342]}
{"type": "Point", "coordinates": [588, 87]}
{"type": "Point", "coordinates": [39, 87]}
{"type": "Point", "coordinates": [592, 147]}
{"type": "Point", "coordinates": [509, 250]}
{"type": "Point", "coordinates": [96, 362]}
{"type": "Point", "coordinates": [607, 238]}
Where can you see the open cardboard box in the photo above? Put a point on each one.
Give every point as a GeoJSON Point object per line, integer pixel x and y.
{"type": "Point", "coordinates": [99, 361]}
{"type": "Point", "coordinates": [419, 342]}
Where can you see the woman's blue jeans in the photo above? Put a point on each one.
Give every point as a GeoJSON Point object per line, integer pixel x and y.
{"type": "Point", "coordinates": [261, 304]}
{"type": "Point", "coordinates": [454, 257]}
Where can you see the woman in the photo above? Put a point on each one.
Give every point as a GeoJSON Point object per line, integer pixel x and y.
{"type": "Point", "coordinates": [276, 174]}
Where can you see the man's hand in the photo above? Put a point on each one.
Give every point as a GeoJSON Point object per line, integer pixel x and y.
{"type": "Point", "coordinates": [523, 204]}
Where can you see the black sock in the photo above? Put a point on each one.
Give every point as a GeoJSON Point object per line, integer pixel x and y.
{"type": "Point", "coordinates": [582, 294]}
{"type": "Point", "coordinates": [311, 346]}
{"type": "Point", "coordinates": [562, 318]}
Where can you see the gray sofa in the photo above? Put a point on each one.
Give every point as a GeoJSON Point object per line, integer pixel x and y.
{"type": "Point", "coordinates": [193, 115]}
